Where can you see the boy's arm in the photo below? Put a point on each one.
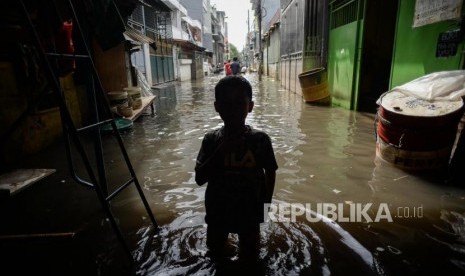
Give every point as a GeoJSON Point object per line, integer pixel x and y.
{"type": "Point", "coordinates": [270, 167]}
{"type": "Point", "coordinates": [270, 179]}
{"type": "Point", "coordinates": [206, 169]}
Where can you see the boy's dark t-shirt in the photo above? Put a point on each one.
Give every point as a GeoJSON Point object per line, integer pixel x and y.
{"type": "Point", "coordinates": [235, 194]}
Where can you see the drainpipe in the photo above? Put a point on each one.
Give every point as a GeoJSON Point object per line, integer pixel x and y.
{"type": "Point", "coordinates": [260, 54]}
{"type": "Point", "coordinates": [147, 64]}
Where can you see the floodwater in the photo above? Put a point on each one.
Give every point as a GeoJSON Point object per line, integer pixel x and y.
{"type": "Point", "coordinates": [326, 159]}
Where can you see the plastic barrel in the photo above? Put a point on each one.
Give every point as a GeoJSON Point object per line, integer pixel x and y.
{"type": "Point", "coordinates": [416, 134]}
{"type": "Point", "coordinates": [134, 96]}
{"type": "Point", "coordinates": [118, 98]}
{"type": "Point", "coordinates": [314, 85]}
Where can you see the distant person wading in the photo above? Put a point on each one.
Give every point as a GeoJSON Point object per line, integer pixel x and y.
{"type": "Point", "coordinates": [235, 66]}
{"type": "Point", "coordinates": [227, 68]}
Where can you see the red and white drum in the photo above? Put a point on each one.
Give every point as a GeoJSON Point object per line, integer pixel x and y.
{"type": "Point", "coordinates": [415, 133]}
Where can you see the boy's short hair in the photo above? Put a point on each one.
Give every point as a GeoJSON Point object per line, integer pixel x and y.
{"type": "Point", "coordinates": [230, 83]}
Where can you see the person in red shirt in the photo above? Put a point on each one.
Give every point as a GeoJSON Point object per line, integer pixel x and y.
{"type": "Point", "coordinates": [227, 68]}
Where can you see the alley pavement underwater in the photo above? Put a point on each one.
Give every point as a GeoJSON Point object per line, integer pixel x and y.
{"type": "Point", "coordinates": [384, 221]}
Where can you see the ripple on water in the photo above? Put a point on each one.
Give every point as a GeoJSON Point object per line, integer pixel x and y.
{"type": "Point", "coordinates": [179, 249]}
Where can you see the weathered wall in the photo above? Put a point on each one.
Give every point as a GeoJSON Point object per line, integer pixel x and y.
{"type": "Point", "coordinates": [185, 69]}
{"type": "Point", "coordinates": [112, 67]}
{"type": "Point", "coordinates": [39, 128]}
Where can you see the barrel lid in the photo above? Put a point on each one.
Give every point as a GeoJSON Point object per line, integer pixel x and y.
{"type": "Point", "coordinates": [401, 103]}
{"type": "Point", "coordinates": [132, 89]}
{"type": "Point", "coordinates": [313, 71]}
{"type": "Point", "coordinates": [117, 95]}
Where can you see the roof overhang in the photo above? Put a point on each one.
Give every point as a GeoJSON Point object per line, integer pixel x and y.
{"type": "Point", "coordinates": [156, 4]}
{"type": "Point", "coordinates": [187, 45]}
{"type": "Point", "coordinates": [174, 5]}
{"type": "Point", "coordinates": [193, 23]}
{"type": "Point", "coordinates": [132, 35]}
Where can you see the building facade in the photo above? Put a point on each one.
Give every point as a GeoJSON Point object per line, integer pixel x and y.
{"type": "Point", "coordinates": [200, 10]}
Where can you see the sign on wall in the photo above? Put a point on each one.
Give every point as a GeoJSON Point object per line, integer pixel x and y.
{"type": "Point", "coordinates": [448, 43]}
{"type": "Point", "coordinates": [432, 11]}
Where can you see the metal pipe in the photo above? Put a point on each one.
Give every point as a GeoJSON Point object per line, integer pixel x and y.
{"type": "Point", "coordinates": [63, 235]}
{"type": "Point", "coordinates": [260, 58]}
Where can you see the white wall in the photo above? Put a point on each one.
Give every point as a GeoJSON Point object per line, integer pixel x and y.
{"type": "Point", "coordinates": [289, 77]}
{"type": "Point", "coordinates": [185, 69]}
{"type": "Point", "coordinates": [273, 70]}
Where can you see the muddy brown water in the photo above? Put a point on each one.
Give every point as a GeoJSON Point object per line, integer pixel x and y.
{"type": "Point", "coordinates": [326, 159]}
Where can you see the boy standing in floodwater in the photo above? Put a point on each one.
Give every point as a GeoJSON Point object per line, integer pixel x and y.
{"type": "Point", "coordinates": [239, 165]}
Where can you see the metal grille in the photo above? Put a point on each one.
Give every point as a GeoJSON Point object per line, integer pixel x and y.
{"type": "Point", "coordinates": [344, 12]}
{"type": "Point", "coordinates": [292, 22]}
{"type": "Point", "coordinates": [316, 28]}
{"type": "Point", "coordinates": [150, 19]}
{"type": "Point", "coordinates": [137, 15]}
{"type": "Point", "coordinates": [163, 24]}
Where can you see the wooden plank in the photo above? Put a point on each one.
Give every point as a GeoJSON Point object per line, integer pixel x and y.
{"type": "Point", "coordinates": [17, 180]}
{"type": "Point", "coordinates": [146, 101]}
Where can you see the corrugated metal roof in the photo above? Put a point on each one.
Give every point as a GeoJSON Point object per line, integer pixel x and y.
{"type": "Point", "coordinates": [156, 4]}
{"type": "Point", "coordinates": [133, 35]}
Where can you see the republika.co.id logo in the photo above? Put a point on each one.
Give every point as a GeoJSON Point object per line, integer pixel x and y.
{"type": "Point", "coordinates": [339, 212]}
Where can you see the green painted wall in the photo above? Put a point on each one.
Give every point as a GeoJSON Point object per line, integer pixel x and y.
{"type": "Point", "coordinates": [341, 62]}
{"type": "Point", "coordinates": [415, 48]}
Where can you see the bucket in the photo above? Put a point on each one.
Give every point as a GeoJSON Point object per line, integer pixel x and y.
{"type": "Point", "coordinates": [416, 134]}
{"type": "Point", "coordinates": [121, 124]}
{"type": "Point", "coordinates": [118, 98]}
{"type": "Point", "coordinates": [134, 96]}
{"type": "Point", "coordinates": [125, 111]}
{"type": "Point", "coordinates": [314, 85]}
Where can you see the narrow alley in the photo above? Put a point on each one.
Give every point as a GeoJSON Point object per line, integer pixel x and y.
{"type": "Point", "coordinates": [326, 157]}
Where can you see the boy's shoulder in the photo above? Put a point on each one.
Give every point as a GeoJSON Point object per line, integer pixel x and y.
{"type": "Point", "coordinates": [214, 134]}
{"type": "Point", "coordinates": [257, 133]}
{"type": "Point", "coordinates": [219, 132]}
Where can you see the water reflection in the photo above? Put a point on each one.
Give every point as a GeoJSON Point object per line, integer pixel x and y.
{"type": "Point", "coordinates": [325, 155]}
{"type": "Point", "coordinates": [296, 249]}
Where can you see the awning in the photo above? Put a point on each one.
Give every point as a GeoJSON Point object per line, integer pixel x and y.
{"type": "Point", "coordinates": [193, 23]}
{"type": "Point", "coordinates": [188, 45]}
{"type": "Point", "coordinates": [133, 35]}
{"type": "Point", "coordinates": [156, 4]}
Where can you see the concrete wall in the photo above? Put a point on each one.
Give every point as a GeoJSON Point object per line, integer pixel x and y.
{"type": "Point", "coordinates": [273, 54]}
{"type": "Point", "coordinates": [200, 10]}
{"type": "Point", "coordinates": [37, 130]}
{"type": "Point", "coordinates": [273, 70]}
{"type": "Point", "coordinates": [185, 69]}
{"type": "Point", "coordinates": [194, 8]}
{"type": "Point", "coordinates": [290, 69]}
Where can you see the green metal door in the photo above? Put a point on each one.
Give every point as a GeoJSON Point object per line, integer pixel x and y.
{"type": "Point", "coordinates": [346, 23]}
{"type": "Point", "coordinates": [162, 68]}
